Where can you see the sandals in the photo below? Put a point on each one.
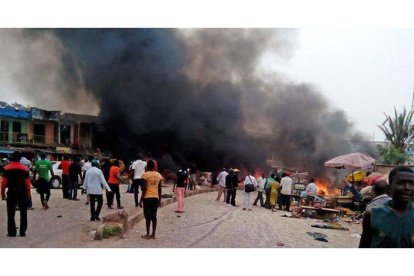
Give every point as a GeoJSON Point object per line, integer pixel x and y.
{"type": "Point", "coordinates": [145, 237]}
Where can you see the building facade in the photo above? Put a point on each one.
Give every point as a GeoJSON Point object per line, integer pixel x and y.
{"type": "Point", "coordinates": [35, 128]}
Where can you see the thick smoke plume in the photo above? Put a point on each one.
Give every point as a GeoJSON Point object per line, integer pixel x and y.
{"type": "Point", "coordinates": [32, 72]}
{"type": "Point", "coordinates": [199, 96]}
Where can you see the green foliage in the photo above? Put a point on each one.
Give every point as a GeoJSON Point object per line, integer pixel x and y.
{"type": "Point", "coordinates": [392, 155]}
{"type": "Point", "coordinates": [111, 230]}
{"type": "Point", "coordinates": [398, 130]}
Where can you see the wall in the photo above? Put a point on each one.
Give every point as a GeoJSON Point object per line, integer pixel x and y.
{"type": "Point", "coordinates": [50, 133]}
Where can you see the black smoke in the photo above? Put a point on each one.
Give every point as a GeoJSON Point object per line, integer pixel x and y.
{"type": "Point", "coordinates": [200, 96]}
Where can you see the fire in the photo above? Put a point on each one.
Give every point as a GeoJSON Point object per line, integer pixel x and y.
{"type": "Point", "coordinates": [322, 186]}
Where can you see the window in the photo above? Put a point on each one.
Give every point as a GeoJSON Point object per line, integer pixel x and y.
{"type": "Point", "coordinates": [17, 127]}
{"type": "Point", "coordinates": [4, 131]}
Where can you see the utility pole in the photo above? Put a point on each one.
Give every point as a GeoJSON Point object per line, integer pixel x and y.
{"type": "Point", "coordinates": [412, 101]}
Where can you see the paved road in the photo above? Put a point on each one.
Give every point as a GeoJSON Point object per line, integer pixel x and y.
{"type": "Point", "coordinates": [210, 224]}
{"type": "Point", "coordinates": [205, 224]}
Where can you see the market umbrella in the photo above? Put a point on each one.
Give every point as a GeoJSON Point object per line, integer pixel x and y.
{"type": "Point", "coordinates": [373, 177]}
{"type": "Point", "coordinates": [352, 161]}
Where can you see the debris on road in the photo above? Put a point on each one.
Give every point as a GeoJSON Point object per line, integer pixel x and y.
{"type": "Point", "coordinates": [318, 236]}
{"type": "Point", "coordinates": [335, 226]}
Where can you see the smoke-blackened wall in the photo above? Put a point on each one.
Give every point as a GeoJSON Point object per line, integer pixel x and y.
{"type": "Point", "coordinates": [200, 96]}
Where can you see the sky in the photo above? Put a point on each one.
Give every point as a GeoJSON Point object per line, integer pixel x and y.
{"type": "Point", "coordinates": [366, 72]}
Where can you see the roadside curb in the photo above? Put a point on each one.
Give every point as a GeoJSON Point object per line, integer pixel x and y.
{"type": "Point", "coordinates": [136, 214]}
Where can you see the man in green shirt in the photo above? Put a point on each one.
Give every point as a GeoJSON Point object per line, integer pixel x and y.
{"type": "Point", "coordinates": [43, 166]}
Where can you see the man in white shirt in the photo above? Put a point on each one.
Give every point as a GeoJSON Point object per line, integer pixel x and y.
{"type": "Point", "coordinates": [286, 191]}
{"type": "Point", "coordinates": [138, 168]}
{"type": "Point", "coordinates": [222, 185]}
{"type": "Point", "coordinates": [249, 180]}
{"type": "Point", "coordinates": [93, 183]}
{"type": "Point", "coordinates": [261, 181]}
{"type": "Point", "coordinates": [86, 166]}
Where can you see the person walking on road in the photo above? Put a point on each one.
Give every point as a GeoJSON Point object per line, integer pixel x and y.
{"type": "Point", "coordinates": [43, 167]}
{"type": "Point", "coordinates": [106, 168]}
{"type": "Point", "coordinates": [222, 185]}
{"type": "Point", "coordinates": [180, 188]}
{"type": "Point", "coordinates": [274, 192]}
{"type": "Point", "coordinates": [267, 189]}
{"type": "Point", "coordinates": [92, 184]}
{"type": "Point", "coordinates": [232, 183]}
{"type": "Point", "coordinates": [17, 181]}
{"type": "Point", "coordinates": [64, 165]}
{"type": "Point", "coordinates": [138, 169]}
{"type": "Point", "coordinates": [193, 177]}
{"type": "Point", "coordinates": [114, 177]}
{"type": "Point", "coordinates": [151, 198]}
{"type": "Point", "coordinates": [26, 162]}
{"type": "Point", "coordinates": [261, 181]}
{"type": "Point", "coordinates": [286, 190]}
{"type": "Point", "coordinates": [248, 182]}
{"type": "Point", "coordinates": [75, 172]}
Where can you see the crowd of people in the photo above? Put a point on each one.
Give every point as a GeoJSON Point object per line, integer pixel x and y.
{"type": "Point", "coordinates": [277, 189]}
{"type": "Point", "coordinates": [388, 218]}
{"type": "Point", "coordinates": [92, 175]}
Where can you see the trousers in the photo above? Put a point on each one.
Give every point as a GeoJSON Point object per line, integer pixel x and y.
{"type": "Point", "coordinates": [246, 200]}
{"type": "Point", "coordinates": [136, 183]}
{"type": "Point", "coordinates": [21, 201]}
{"type": "Point", "coordinates": [231, 196]}
{"type": "Point", "coordinates": [180, 198]}
{"type": "Point", "coordinates": [221, 190]}
{"type": "Point", "coordinates": [115, 192]}
{"type": "Point", "coordinates": [99, 199]}
{"type": "Point", "coordinates": [259, 197]}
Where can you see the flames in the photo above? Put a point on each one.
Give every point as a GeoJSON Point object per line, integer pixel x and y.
{"type": "Point", "coordinates": [323, 186]}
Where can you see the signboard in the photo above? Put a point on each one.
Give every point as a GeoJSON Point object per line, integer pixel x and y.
{"type": "Point", "coordinates": [63, 149]}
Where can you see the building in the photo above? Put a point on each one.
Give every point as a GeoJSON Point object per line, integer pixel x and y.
{"type": "Point", "coordinates": [48, 131]}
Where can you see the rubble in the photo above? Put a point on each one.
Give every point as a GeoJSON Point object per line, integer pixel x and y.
{"type": "Point", "coordinates": [318, 236]}
{"type": "Point", "coordinates": [334, 225]}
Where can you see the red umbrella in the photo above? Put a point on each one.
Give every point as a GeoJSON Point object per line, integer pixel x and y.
{"type": "Point", "coordinates": [372, 178]}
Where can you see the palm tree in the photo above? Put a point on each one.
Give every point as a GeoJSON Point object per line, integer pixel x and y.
{"type": "Point", "coordinates": [399, 130]}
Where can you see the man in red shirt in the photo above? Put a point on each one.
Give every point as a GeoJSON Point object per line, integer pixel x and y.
{"type": "Point", "coordinates": [17, 181]}
{"type": "Point", "coordinates": [64, 165]}
{"type": "Point", "coordinates": [113, 181]}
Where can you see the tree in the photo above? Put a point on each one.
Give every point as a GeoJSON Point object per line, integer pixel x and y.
{"type": "Point", "coordinates": [393, 156]}
{"type": "Point", "coordinates": [398, 130]}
